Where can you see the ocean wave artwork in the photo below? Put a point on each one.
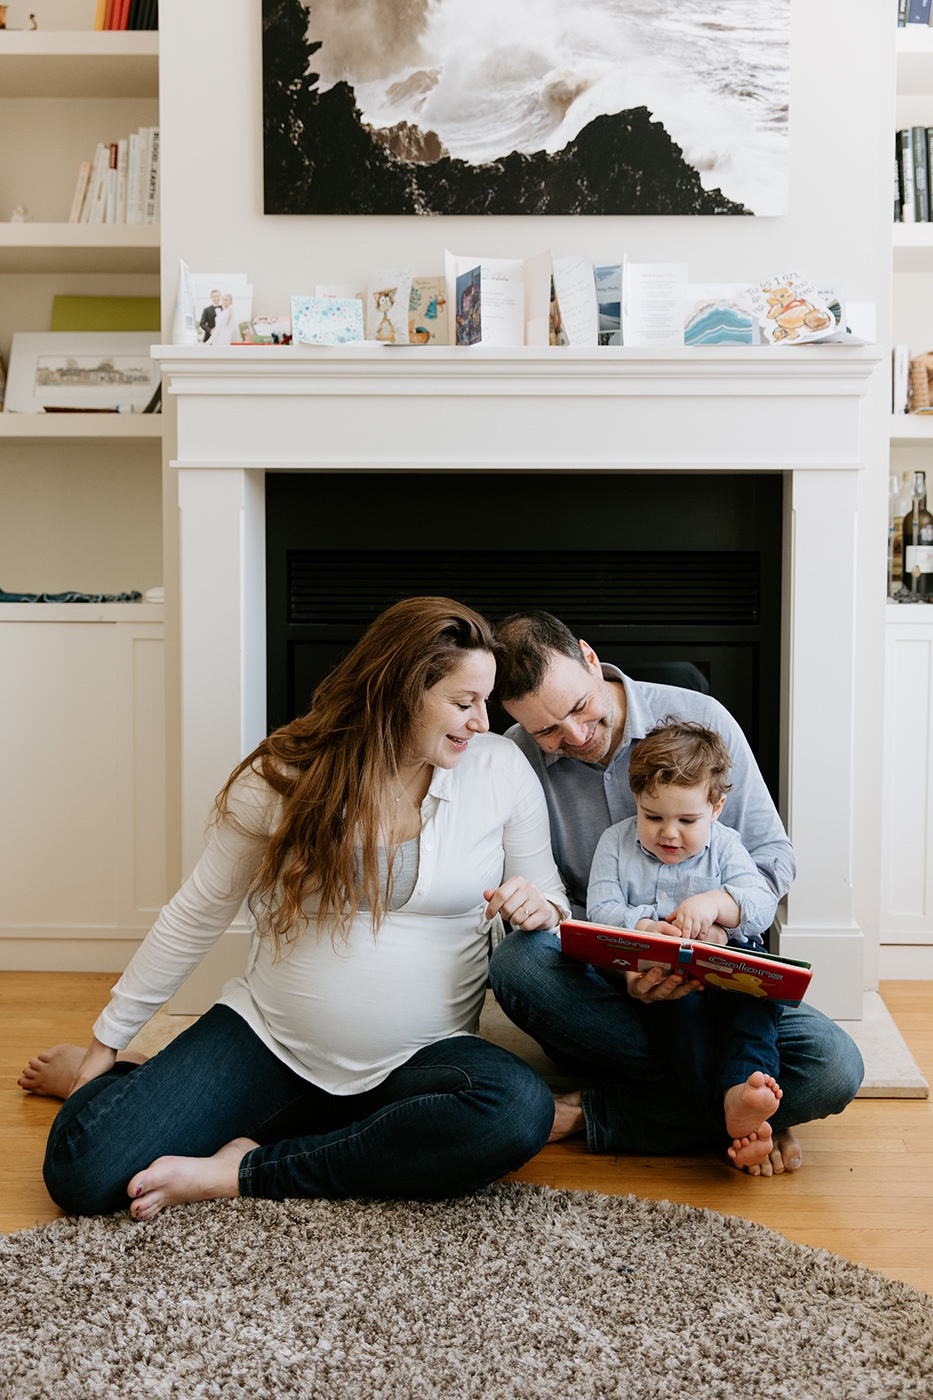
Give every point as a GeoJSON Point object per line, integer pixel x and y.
{"type": "Point", "coordinates": [526, 106]}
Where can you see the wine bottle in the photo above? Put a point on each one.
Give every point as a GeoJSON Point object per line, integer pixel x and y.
{"type": "Point", "coordinates": [918, 540]}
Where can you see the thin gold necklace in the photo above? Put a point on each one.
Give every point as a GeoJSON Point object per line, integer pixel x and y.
{"type": "Point", "coordinates": [405, 791]}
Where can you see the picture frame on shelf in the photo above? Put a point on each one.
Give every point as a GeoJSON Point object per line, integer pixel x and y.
{"type": "Point", "coordinates": [75, 371]}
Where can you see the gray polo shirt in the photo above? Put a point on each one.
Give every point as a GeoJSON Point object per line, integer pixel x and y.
{"type": "Point", "coordinates": [585, 798]}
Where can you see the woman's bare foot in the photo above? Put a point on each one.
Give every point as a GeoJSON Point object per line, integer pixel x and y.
{"type": "Point", "coordinates": [51, 1073]}
{"type": "Point", "coordinates": [786, 1155]}
{"type": "Point", "coordinates": [171, 1180]}
{"type": "Point", "coordinates": [568, 1115]}
{"type": "Point", "coordinates": [748, 1105]}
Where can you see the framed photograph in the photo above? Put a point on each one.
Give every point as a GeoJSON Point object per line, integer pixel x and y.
{"type": "Point", "coordinates": [223, 302]}
{"type": "Point", "coordinates": [94, 371]}
{"type": "Point", "coordinates": [591, 107]}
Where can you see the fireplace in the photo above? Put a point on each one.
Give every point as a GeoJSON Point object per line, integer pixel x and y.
{"type": "Point", "coordinates": [566, 428]}
{"type": "Point", "coordinates": [675, 579]}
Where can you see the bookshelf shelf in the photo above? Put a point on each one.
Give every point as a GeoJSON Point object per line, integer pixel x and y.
{"type": "Point", "coordinates": [915, 60]}
{"type": "Point", "coordinates": [53, 247]}
{"type": "Point", "coordinates": [79, 63]}
{"type": "Point", "coordinates": [910, 427]}
{"type": "Point", "coordinates": [108, 426]}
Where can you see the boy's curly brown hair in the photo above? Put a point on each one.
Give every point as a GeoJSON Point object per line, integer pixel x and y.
{"type": "Point", "coordinates": [684, 752]}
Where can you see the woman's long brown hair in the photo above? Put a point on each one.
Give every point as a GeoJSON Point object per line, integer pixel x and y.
{"type": "Point", "coordinates": [334, 765]}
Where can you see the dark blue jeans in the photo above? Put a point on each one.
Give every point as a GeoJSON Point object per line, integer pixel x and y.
{"type": "Point", "coordinates": [712, 1040]}
{"type": "Point", "coordinates": [456, 1116]}
{"type": "Point", "coordinates": [589, 1023]}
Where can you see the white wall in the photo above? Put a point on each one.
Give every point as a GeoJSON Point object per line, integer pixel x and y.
{"type": "Point", "coordinates": [838, 228]}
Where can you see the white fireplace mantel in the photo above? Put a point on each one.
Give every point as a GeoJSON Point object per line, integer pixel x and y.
{"type": "Point", "coordinates": [247, 410]}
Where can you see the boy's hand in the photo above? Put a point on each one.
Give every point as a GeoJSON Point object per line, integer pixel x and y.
{"type": "Point", "coordinates": [658, 926]}
{"type": "Point", "coordinates": [697, 915]}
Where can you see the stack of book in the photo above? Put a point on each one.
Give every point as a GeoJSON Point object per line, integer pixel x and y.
{"type": "Point", "coordinates": [913, 154]}
{"type": "Point", "coordinates": [127, 14]}
{"type": "Point", "coordinates": [121, 184]}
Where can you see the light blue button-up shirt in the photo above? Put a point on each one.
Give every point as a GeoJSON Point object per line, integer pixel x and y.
{"type": "Point", "coordinates": [585, 798]}
{"type": "Point", "coordinates": [628, 883]}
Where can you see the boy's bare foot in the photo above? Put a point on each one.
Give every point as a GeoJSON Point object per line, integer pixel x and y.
{"type": "Point", "coordinates": [750, 1151]}
{"type": "Point", "coordinates": [172, 1180]}
{"type": "Point", "coordinates": [786, 1155]}
{"type": "Point", "coordinates": [51, 1073]}
{"type": "Point", "coordinates": [749, 1105]}
{"type": "Point", "coordinates": [568, 1115]}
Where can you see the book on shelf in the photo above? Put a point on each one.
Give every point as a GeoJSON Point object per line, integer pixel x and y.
{"type": "Point", "coordinates": [142, 181]}
{"type": "Point", "coordinates": [110, 210]}
{"type": "Point", "coordinates": [918, 11]}
{"type": "Point", "coordinates": [152, 180]}
{"type": "Point", "coordinates": [918, 140]}
{"type": "Point", "coordinates": [77, 200]}
{"type": "Point", "coordinates": [905, 149]}
{"type": "Point", "coordinates": [750, 971]}
{"type": "Point", "coordinates": [95, 202]}
{"type": "Point", "coordinates": [122, 184]}
{"type": "Point", "coordinates": [126, 14]}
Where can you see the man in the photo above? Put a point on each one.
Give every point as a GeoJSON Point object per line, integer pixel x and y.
{"type": "Point", "coordinates": [577, 722]}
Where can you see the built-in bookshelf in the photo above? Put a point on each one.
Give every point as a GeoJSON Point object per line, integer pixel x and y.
{"type": "Point", "coordinates": [63, 91]}
{"type": "Point", "coordinates": [912, 243]}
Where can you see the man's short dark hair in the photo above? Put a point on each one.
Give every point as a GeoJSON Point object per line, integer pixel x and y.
{"type": "Point", "coordinates": [526, 644]}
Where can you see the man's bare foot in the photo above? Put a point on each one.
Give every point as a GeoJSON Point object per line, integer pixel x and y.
{"type": "Point", "coordinates": [171, 1180]}
{"type": "Point", "coordinates": [51, 1073]}
{"type": "Point", "coordinates": [568, 1115]}
{"type": "Point", "coordinates": [750, 1104]}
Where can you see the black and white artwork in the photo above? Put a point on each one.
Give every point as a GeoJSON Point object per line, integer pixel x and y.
{"type": "Point", "coordinates": [526, 106]}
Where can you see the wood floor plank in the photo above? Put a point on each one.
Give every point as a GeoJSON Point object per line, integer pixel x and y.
{"type": "Point", "coordinates": [865, 1191]}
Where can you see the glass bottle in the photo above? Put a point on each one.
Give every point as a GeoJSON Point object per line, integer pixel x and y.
{"type": "Point", "coordinates": [918, 540]}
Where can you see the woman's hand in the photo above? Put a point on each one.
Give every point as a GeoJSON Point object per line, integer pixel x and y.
{"type": "Point", "coordinates": [523, 904]}
{"type": "Point", "coordinates": [97, 1061]}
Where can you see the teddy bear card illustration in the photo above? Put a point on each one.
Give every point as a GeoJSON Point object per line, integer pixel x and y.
{"type": "Point", "coordinates": [790, 309]}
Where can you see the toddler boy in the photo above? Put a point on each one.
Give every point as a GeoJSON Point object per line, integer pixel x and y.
{"type": "Point", "coordinates": [673, 869]}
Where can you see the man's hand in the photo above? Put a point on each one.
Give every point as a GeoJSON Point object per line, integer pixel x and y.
{"type": "Point", "coordinates": [522, 903]}
{"type": "Point", "coordinates": [651, 986]}
{"type": "Point", "coordinates": [98, 1060]}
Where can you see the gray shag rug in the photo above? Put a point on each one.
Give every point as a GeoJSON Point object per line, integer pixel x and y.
{"type": "Point", "coordinates": [518, 1291]}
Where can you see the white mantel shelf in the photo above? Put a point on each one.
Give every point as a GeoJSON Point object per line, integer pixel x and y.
{"type": "Point", "coordinates": [352, 407]}
{"type": "Point", "coordinates": [799, 368]}
{"type": "Point", "coordinates": [245, 411]}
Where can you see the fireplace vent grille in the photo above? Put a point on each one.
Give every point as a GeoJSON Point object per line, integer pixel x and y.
{"type": "Point", "coordinates": [350, 587]}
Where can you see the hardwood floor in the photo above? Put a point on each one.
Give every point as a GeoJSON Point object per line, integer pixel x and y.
{"type": "Point", "coordinates": [865, 1191]}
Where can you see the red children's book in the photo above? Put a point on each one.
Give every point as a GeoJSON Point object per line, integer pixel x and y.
{"type": "Point", "coordinates": [756, 973]}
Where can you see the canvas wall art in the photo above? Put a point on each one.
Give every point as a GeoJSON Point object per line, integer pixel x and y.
{"type": "Point", "coordinates": [526, 107]}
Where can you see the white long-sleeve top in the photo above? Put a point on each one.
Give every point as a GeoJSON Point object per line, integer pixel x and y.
{"type": "Point", "coordinates": [343, 1015]}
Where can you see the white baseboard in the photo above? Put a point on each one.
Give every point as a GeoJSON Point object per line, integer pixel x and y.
{"type": "Point", "coordinates": [906, 962]}
{"type": "Point", "coordinates": [66, 953]}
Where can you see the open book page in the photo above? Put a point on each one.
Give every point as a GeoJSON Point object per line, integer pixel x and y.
{"type": "Point", "coordinates": [654, 297]}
